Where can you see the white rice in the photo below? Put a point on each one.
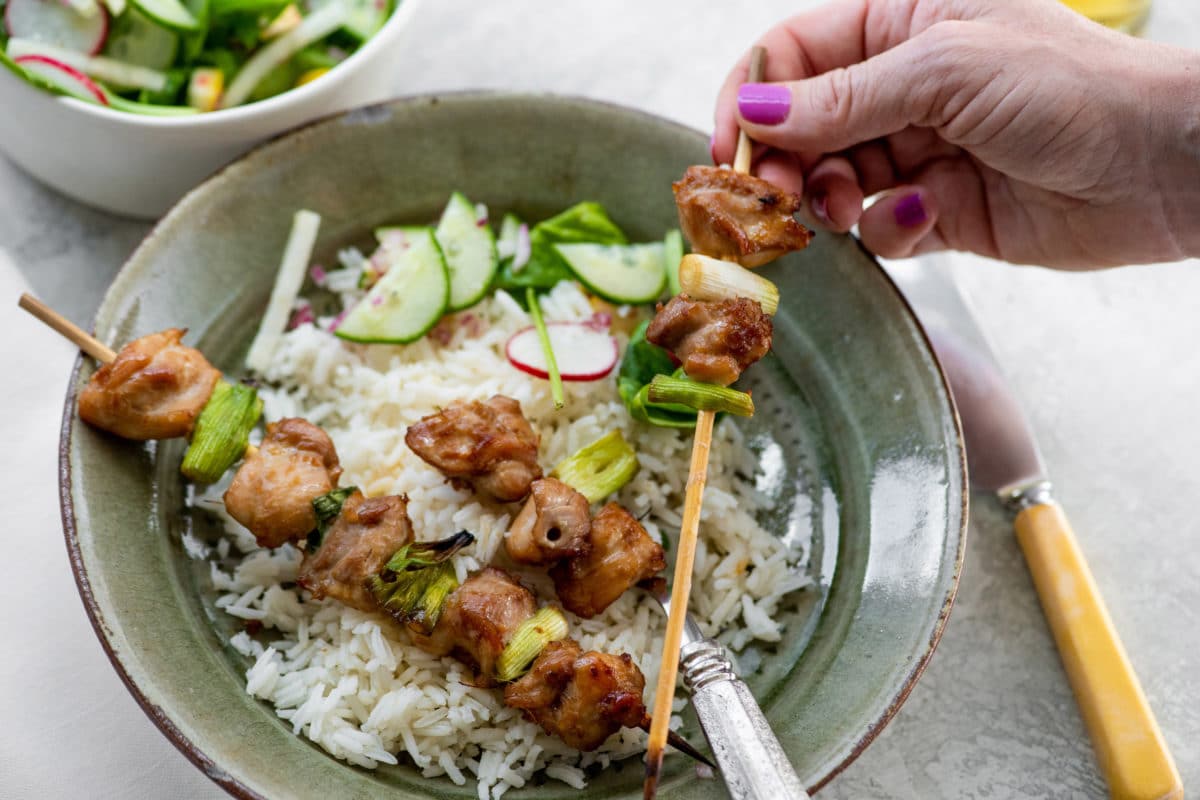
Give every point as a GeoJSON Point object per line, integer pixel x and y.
{"type": "Point", "coordinates": [350, 681]}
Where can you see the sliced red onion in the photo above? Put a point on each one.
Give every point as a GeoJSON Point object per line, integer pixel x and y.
{"type": "Point", "coordinates": [600, 321]}
{"type": "Point", "coordinates": [521, 257]}
{"type": "Point", "coordinates": [339, 319]}
{"type": "Point", "coordinates": [481, 215]}
{"type": "Point", "coordinates": [303, 314]}
{"type": "Point", "coordinates": [318, 274]}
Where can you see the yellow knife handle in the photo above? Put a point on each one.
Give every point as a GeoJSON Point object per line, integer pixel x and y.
{"type": "Point", "coordinates": [1125, 735]}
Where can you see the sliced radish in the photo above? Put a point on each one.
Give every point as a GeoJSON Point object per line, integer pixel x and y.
{"type": "Point", "coordinates": [584, 351]}
{"type": "Point", "coordinates": [70, 82]}
{"type": "Point", "coordinates": [112, 72]}
{"type": "Point", "coordinates": [56, 23]}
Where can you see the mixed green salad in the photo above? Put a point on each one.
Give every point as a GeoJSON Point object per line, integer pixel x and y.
{"type": "Point", "coordinates": [177, 57]}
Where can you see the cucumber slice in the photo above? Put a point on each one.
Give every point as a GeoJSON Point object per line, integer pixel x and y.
{"type": "Point", "coordinates": [620, 273]}
{"type": "Point", "coordinates": [137, 40]}
{"type": "Point", "coordinates": [364, 18]}
{"type": "Point", "coordinates": [168, 13]}
{"type": "Point", "coordinates": [672, 255]}
{"type": "Point", "coordinates": [409, 299]}
{"type": "Point", "coordinates": [470, 250]}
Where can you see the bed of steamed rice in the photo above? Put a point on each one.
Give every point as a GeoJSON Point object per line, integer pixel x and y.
{"type": "Point", "coordinates": [350, 681]}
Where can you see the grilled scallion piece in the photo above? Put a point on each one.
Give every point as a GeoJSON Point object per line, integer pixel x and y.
{"type": "Point", "coordinates": [600, 468]}
{"type": "Point", "coordinates": [546, 626]}
{"type": "Point", "coordinates": [535, 311]}
{"type": "Point", "coordinates": [222, 431]}
{"type": "Point", "coordinates": [417, 580]}
{"type": "Point", "coordinates": [700, 396]}
{"type": "Point", "coordinates": [705, 278]}
{"type": "Point", "coordinates": [327, 507]}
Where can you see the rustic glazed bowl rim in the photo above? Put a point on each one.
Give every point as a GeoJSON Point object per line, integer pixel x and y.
{"type": "Point", "coordinates": [209, 765]}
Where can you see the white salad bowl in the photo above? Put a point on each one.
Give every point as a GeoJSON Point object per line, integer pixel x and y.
{"type": "Point", "coordinates": [138, 166]}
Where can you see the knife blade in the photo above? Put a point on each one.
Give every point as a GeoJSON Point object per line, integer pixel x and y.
{"type": "Point", "coordinates": [1003, 457]}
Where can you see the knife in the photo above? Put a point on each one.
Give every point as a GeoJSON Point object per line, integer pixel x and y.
{"type": "Point", "coordinates": [1003, 457]}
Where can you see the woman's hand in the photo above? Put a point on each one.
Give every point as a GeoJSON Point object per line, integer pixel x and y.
{"type": "Point", "coordinates": [1015, 129]}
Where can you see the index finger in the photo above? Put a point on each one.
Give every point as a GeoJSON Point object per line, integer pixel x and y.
{"type": "Point", "coordinates": [802, 46]}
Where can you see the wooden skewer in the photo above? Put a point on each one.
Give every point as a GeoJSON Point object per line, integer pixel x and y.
{"type": "Point", "coordinates": [685, 558]}
{"type": "Point", "coordinates": [81, 338]}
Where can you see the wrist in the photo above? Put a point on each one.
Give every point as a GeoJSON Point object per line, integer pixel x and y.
{"type": "Point", "coordinates": [1174, 130]}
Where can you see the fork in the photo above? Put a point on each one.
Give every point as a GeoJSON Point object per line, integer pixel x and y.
{"type": "Point", "coordinates": [752, 762]}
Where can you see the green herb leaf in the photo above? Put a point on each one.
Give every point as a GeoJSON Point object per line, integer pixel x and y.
{"type": "Point", "coordinates": [169, 94]}
{"type": "Point", "coordinates": [327, 508]}
{"type": "Point", "coordinates": [641, 362]}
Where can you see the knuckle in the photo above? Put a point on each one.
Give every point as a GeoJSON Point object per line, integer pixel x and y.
{"type": "Point", "coordinates": [949, 54]}
{"type": "Point", "coordinates": [833, 97]}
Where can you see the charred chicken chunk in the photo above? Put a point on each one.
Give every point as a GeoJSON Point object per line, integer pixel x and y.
{"type": "Point", "coordinates": [554, 525]}
{"type": "Point", "coordinates": [726, 214]}
{"type": "Point", "coordinates": [154, 389]}
{"type": "Point", "coordinates": [488, 445]}
{"type": "Point", "coordinates": [715, 342]}
{"type": "Point", "coordinates": [582, 698]}
{"type": "Point", "coordinates": [621, 554]}
{"type": "Point", "coordinates": [478, 619]}
{"type": "Point", "coordinates": [273, 490]}
{"type": "Point", "coordinates": [356, 548]}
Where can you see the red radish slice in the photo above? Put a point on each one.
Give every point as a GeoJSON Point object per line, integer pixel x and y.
{"type": "Point", "coordinates": [56, 23]}
{"type": "Point", "coordinates": [70, 81]}
{"type": "Point", "coordinates": [584, 352]}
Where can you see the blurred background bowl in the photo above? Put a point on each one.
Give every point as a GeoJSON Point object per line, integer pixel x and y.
{"type": "Point", "coordinates": [138, 166]}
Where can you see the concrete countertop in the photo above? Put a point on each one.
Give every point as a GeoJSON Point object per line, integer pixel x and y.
{"type": "Point", "coordinates": [1107, 364]}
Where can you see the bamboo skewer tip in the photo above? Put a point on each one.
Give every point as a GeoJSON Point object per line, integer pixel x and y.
{"type": "Point", "coordinates": [689, 531]}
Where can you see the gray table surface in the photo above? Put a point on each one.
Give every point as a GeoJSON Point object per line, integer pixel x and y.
{"type": "Point", "coordinates": [1107, 363]}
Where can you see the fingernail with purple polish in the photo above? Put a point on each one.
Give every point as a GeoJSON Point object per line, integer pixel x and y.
{"type": "Point", "coordinates": [910, 212]}
{"type": "Point", "coordinates": [820, 206]}
{"type": "Point", "coordinates": [764, 103]}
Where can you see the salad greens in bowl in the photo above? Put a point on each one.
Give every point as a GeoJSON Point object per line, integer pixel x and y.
{"type": "Point", "coordinates": [127, 104]}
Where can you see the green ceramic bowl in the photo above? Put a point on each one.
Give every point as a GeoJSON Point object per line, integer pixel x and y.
{"type": "Point", "coordinates": [857, 435]}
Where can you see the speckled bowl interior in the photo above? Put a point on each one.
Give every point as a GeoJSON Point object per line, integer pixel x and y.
{"type": "Point", "coordinates": [856, 433]}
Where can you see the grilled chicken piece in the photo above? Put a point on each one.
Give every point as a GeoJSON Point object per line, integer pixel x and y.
{"type": "Point", "coordinates": [478, 619]}
{"type": "Point", "coordinates": [554, 525]}
{"type": "Point", "coordinates": [621, 554]}
{"type": "Point", "coordinates": [273, 490]}
{"type": "Point", "coordinates": [356, 548]}
{"type": "Point", "coordinates": [582, 698]}
{"type": "Point", "coordinates": [154, 389]}
{"type": "Point", "coordinates": [716, 342]}
{"type": "Point", "coordinates": [726, 214]}
{"type": "Point", "coordinates": [487, 445]}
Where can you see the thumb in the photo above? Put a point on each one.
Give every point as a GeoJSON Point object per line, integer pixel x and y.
{"type": "Point", "coordinates": [844, 107]}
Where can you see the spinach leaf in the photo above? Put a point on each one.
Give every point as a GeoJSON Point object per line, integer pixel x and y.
{"type": "Point", "coordinates": [641, 362]}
